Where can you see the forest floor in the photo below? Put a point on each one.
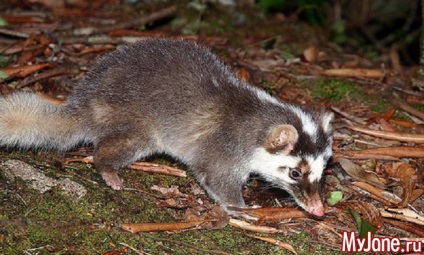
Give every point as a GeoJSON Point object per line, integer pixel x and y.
{"type": "Point", "coordinates": [56, 203]}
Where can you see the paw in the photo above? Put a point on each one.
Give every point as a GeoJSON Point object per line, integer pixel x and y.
{"type": "Point", "coordinates": [112, 180]}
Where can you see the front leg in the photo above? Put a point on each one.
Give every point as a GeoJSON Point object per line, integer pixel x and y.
{"type": "Point", "coordinates": [224, 187]}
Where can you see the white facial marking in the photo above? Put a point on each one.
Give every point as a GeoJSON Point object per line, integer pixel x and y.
{"type": "Point", "coordinates": [267, 165]}
{"type": "Point", "coordinates": [317, 167]}
{"type": "Point", "coordinates": [308, 125]}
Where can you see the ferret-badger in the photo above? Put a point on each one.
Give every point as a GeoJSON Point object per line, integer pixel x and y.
{"type": "Point", "coordinates": [176, 97]}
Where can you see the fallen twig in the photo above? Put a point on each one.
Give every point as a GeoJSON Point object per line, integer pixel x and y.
{"type": "Point", "coordinates": [45, 75]}
{"type": "Point", "coordinates": [403, 137]}
{"type": "Point", "coordinates": [397, 151]}
{"type": "Point", "coordinates": [408, 108]}
{"type": "Point", "coordinates": [358, 72]}
{"type": "Point", "coordinates": [23, 71]}
{"type": "Point", "coordinates": [140, 252]}
{"type": "Point", "coordinates": [166, 12]}
{"type": "Point", "coordinates": [276, 242]}
{"type": "Point", "coordinates": [275, 213]}
{"type": "Point", "coordinates": [142, 166]}
{"type": "Point", "coordinates": [348, 116]}
{"type": "Point", "coordinates": [247, 226]}
{"type": "Point", "coordinates": [13, 33]}
{"type": "Point", "coordinates": [406, 226]}
{"type": "Point", "coordinates": [157, 168]}
{"type": "Point", "coordinates": [403, 214]}
{"type": "Point", "coordinates": [202, 251]}
{"type": "Point", "coordinates": [155, 227]}
{"type": "Point", "coordinates": [353, 155]}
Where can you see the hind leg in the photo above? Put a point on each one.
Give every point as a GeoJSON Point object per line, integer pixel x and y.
{"type": "Point", "coordinates": [115, 152]}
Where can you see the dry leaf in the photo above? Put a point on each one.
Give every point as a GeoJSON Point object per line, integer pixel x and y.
{"type": "Point", "coordinates": [173, 191]}
{"type": "Point", "coordinates": [378, 194]}
{"type": "Point", "coordinates": [311, 53]}
{"type": "Point", "coordinates": [358, 173]}
{"type": "Point", "coordinates": [215, 212]}
{"type": "Point", "coordinates": [243, 74]}
{"type": "Point", "coordinates": [367, 211]}
{"type": "Point", "coordinates": [407, 177]}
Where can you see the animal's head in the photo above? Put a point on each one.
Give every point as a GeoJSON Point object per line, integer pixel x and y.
{"type": "Point", "coordinates": [294, 157]}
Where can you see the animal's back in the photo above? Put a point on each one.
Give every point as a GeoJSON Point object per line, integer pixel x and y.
{"type": "Point", "coordinates": [156, 71]}
{"type": "Point", "coordinates": [176, 92]}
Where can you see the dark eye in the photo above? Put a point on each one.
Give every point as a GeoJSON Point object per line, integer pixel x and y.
{"type": "Point", "coordinates": [295, 174]}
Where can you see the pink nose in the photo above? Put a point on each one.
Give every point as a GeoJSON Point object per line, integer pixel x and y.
{"type": "Point", "coordinates": [317, 209]}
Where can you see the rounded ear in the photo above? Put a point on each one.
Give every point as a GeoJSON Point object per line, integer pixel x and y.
{"type": "Point", "coordinates": [281, 139]}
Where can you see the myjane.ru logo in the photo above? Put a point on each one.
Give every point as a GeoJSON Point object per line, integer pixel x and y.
{"type": "Point", "coordinates": [352, 243]}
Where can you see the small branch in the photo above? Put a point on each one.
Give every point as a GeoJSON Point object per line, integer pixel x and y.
{"type": "Point", "coordinates": [276, 242]}
{"type": "Point", "coordinates": [157, 168]}
{"type": "Point", "coordinates": [203, 251]}
{"type": "Point", "coordinates": [396, 151]}
{"type": "Point", "coordinates": [417, 219]}
{"type": "Point", "coordinates": [247, 226]}
{"type": "Point", "coordinates": [405, 226]}
{"type": "Point", "coordinates": [161, 226]}
{"type": "Point", "coordinates": [141, 166]}
{"type": "Point", "coordinates": [349, 116]}
{"type": "Point", "coordinates": [13, 33]}
{"type": "Point", "coordinates": [408, 108]}
{"type": "Point", "coordinates": [166, 12]}
{"type": "Point", "coordinates": [44, 75]}
{"type": "Point", "coordinates": [352, 155]}
{"type": "Point", "coordinates": [403, 137]}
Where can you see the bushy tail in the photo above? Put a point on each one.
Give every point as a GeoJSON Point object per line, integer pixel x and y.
{"type": "Point", "coordinates": [28, 121]}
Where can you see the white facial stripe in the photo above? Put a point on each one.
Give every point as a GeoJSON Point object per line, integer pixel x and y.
{"type": "Point", "coordinates": [308, 125]}
{"type": "Point", "coordinates": [317, 167]}
{"type": "Point", "coordinates": [267, 164]}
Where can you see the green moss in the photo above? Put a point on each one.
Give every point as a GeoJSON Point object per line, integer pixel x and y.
{"type": "Point", "coordinates": [381, 105]}
{"type": "Point", "coordinates": [335, 90]}
{"type": "Point", "coordinates": [419, 107]}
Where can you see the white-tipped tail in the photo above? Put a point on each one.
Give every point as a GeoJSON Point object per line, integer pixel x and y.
{"type": "Point", "coordinates": [28, 121]}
